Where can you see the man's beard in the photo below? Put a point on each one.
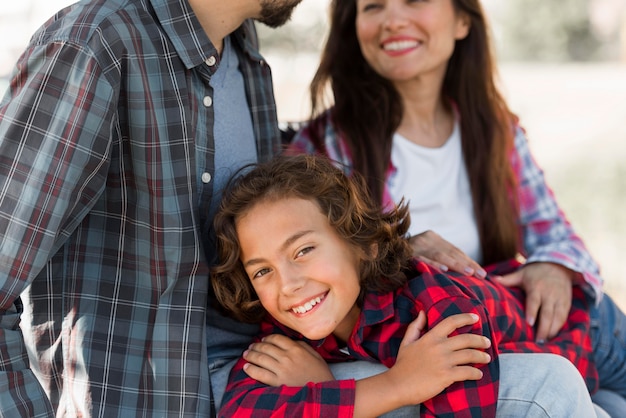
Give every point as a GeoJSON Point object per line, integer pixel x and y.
{"type": "Point", "coordinates": [275, 13]}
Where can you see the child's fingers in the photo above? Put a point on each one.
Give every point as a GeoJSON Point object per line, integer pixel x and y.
{"type": "Point", "coordinates": [280, 341]}
{"type": "Point", "coordinates": [463, 373]}
{"type": "Point", "coordinates": [309, 349]}
{"type": "Point", "coordinates": [468, 357]}
{"type": "Point", "coordinates": [261, 374]}
{"type": "Point", "coordinates": [259, 358]}
{"type": "Point", "coordinates": [448, 325]}
{"type": "Point", "coordinates": [468, 340]}
{"type": "Point", "coordinates": [414, 330]}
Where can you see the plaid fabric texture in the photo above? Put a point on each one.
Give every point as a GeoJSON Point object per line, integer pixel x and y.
{"type": "Point", "coordinates": [382, 325]}
{"type": "Point", "coordinates": [99, 210]}
{"type": "Point", "coordinates": [546, 232]}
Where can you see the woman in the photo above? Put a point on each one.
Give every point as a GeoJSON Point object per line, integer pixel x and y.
{"type": "Point", "coordinates": [417, 112]}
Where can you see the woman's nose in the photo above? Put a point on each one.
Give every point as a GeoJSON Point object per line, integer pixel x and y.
{"type": "Point", "coordinates": [394, 18]}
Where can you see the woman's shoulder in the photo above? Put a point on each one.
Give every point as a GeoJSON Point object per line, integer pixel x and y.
{"type": "Point", "coordinates": [319, 126]}
{"type": "Point", "coordinates": [320, 136]}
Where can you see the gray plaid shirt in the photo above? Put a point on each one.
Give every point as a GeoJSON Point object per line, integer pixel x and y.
{"type": "Point", "coordinates": [99, 209]}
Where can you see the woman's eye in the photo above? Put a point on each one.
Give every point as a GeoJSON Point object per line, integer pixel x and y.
{"type": "Point", "coordinates": [370, 6]}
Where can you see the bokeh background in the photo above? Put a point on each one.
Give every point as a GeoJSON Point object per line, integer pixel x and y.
{"type": "Point", "coordinates": [562, 68]}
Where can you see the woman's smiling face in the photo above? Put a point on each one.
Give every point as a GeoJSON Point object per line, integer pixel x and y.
{"type": "Point", "coordinates": [404, 39]}
{"type": "Point", "coordinates": [305, 275]}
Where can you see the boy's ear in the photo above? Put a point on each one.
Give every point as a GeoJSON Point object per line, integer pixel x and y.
{"type": "Point", "coordinates": [373, 252]}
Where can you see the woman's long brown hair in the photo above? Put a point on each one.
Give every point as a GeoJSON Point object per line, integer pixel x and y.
{"type": "Point", "coordinates": [367, 111]}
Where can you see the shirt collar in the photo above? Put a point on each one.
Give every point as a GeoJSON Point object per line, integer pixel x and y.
{"type": "Point", "coordinates": [184, 31]}
{"type": "Point", "coordinates": [377, 307]}
{"type": "Point", "coordinates": [189, 39]}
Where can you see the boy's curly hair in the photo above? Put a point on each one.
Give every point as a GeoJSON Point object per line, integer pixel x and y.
{"type": "Point", "coordinates": [345, 202]}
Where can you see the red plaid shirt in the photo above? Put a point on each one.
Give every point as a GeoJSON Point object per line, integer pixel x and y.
{"type": "Point", "coordinates": [380, 330]}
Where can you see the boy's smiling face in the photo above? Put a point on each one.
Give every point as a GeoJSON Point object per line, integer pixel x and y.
{"type": "Point", "coordinates": [305, 274]}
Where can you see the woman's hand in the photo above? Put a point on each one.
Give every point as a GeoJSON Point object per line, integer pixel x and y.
{"type": "Point", "coordinates": [548, 290]}
{"type": "Point", "coordinates": [278, 360]}
{"type": "Point", "coordinates": [435, 251]}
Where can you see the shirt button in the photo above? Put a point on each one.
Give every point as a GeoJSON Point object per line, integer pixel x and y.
{"type": "Point", "coordinates": [206, 178]}
{"type": "Point", "coordinates": [211, 61]}
{"type": "Point", "coordinates": [207, 101]}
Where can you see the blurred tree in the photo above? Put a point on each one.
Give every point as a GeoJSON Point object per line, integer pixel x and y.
{"type": "Point", "coordinates": [548, 30]}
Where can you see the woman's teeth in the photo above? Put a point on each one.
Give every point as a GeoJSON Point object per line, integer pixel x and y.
{"type": "Point", "coordinates": [399, 45]}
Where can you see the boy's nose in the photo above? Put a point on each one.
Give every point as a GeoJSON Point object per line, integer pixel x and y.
{"type": "Point", "coordinates": [291, 280]}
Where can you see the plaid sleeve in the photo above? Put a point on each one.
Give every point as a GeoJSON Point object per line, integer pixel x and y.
{"type": "Point", "coordinates": [548, 235]}
{"type": "Point", "coordinates": [472, 398]}
{"type": "Point", "coordinates": [334, 146]}
{"type": "Point", "coordinates": [53, 150]}
{"type": "Point", "coordinates": [246, 397]}
{"type": "Point", "coordinates": [55, 135]}
{"type": "Point", "coordinates": [301, 143]}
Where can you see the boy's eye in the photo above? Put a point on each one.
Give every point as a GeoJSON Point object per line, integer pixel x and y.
{"type": "Point", "coordinates": [304, 251]}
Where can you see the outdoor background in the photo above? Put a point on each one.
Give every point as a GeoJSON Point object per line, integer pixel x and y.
{"type": "Point", "coordinates": [562, 68]}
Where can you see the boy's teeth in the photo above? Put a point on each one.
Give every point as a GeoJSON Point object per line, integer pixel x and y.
{"type": "Point", "coordinates": [307, 306]}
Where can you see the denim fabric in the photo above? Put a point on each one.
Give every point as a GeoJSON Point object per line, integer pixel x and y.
{"type": "Point", "coordinates": [541, 386]}
{"type": "Point", "coordinates": [531, 385]}
{"type": "Point", "coordinates": [608, 335]}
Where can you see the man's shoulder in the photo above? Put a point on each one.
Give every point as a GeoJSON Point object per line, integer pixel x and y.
{"type": "Point", "coordinates": [96, 24]}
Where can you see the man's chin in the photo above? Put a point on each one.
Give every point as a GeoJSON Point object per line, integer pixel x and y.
{"type": "Point", "coordinates": [275, 15]}
{"type": "Point", "coordinates": [274, 21]}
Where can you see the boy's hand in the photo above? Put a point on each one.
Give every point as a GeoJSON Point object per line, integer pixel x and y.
{"type": "Point", "coordinates": [425, 366]}
{"type": "Point", "coordinates": [278, 360]}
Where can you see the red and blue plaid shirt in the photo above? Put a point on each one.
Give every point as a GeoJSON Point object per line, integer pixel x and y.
{"type": "Point", "coordinates": [381, 327]}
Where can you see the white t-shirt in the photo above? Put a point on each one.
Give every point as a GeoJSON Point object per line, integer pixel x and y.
{"type": "Point", "coordinates": [434, 182]}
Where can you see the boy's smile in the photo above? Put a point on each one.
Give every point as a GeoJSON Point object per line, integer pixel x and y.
{"type": "Point", "coordinates": [305, 274]}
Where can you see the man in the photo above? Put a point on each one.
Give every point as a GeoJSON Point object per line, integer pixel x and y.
{"type": "Point", "coordinates": [107, 170]}
{"type": "Point", "coordinates": [123, 121]}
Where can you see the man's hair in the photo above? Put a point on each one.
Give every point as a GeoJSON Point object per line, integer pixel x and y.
{"type": "Point", "coordinates": [377, 235]}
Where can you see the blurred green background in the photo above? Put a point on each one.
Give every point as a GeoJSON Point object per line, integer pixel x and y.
{"type": "Point", "coordinates": [562, 67]}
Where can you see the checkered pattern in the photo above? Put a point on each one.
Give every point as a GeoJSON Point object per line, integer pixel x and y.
{"type": "Point", "coordinates": [99, 210]}
{"type": "Point", "coordinates": [547, 234]}
{"type": "Point", "coordinates": [382, 325]}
